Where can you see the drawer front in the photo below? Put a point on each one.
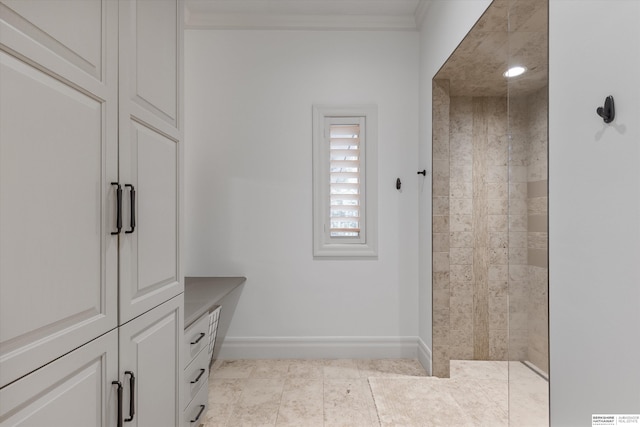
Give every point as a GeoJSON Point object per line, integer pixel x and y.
{"type": "Point", "coordinates": [196, 376]}
{"type": "Point", "coordinates": [196, 338]}
{"type": "Point", "coordinates": [196, 412]}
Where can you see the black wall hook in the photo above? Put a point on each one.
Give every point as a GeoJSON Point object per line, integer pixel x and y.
{"type": "Point", "coordinates": [398, 184]}
{"type": "Point", "coordinates": [608, 112]}
{"type": "Point", "coordinates": [423, 172]}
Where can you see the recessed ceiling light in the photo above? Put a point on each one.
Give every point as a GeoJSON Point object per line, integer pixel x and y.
{"type": "Point", "coordinates": [515, 71]}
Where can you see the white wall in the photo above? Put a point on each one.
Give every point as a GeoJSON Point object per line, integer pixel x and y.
{"type": "Point", "coordinates": [248, 200]}
{"type": "Point", "coordinates": [445, 25]}
{"type": "Point", "coordinates": [594, 210]}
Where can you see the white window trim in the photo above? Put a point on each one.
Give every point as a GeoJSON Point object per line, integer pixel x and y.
{"type": "Point", "coordinates": [323, 245]}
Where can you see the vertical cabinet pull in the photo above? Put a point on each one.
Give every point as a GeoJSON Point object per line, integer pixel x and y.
{"type": "Point", "coordinates": [119, 416]}
{"type": "Point", "coordinates": [132, 388]}
{"type": "Point", "coordinates": [118, 207]}
{"type": "Point", "coordinates": [132, 223]}
{"type": "Point", "coordinates": [199, 413]}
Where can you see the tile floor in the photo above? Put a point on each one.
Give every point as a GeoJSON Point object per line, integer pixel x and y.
{"type": "Point", "coordinates": [363, 393]}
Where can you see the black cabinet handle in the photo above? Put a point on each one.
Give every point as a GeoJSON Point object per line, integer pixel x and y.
{"type": "Point", "coordinates": [202, 334]}
{"type": "Point", "coordinates": [118, 207]}
{"type": "Point", "coordinates": [199, 413]}
{"type": "Point", "coordinates": [132, 193]}
{"type": "Point", "coordinates": [119, 384]}
{"type": "Point", "coordinates": [132, 389]}
{"type": "Point", "coordinates": [202, 371]}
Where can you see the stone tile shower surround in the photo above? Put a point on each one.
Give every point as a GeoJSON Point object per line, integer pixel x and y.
{"type": "Point", "coordinates": [537, 229]}
{"type": "Point", "coordinates": [489, 281]}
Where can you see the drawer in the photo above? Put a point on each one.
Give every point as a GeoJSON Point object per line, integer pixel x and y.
{"type": "Point", "coordinates": [196, 338]}
{"type": "Point", "coordinates": [196, 375]}
{"type": "Point", "coordinates": [196, 412]}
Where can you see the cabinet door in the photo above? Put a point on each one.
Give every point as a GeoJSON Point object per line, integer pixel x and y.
{"type": "Point", "coordinates": [150, 153]}
{"type": "Point", "coordinates": [58, 156]}
{"type": "Point", "coordinates": [150, 348]}
{"type": "Point", "coordinates": [74, 390]}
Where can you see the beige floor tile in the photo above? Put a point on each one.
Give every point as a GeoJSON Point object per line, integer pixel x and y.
{"type": "Point", "coordinates": [341, 368]}
{"type": "Point", "coordinates": [306, 369]}
{"type": "Point", "coordinates": [477, 406]}
{"type": "Point", "coordinates": [327, 393]}
{"type": "Point", "coordinates": [417, 402]}
{"type": "Point", "coordinates": [312, 386]}
{"type": "Point", "coordinates": [258, 391]}
{"type": "Point", "coordinates": [529, 402]}
{"type": "Point", "coordinates": [258, 405]}
{"type": "Point", "coordinates": [234, 369]}
{"type": "Point", "coordinates": [302, 403]}
{"type": "Point", "coordinates": [348, 402]}
{"type": "Point", "coordinates": [390, 368]}
{"type": "Point", "coordinates": [218, 414]}
{"type": "Point", "coordinates": [225, 390]}
{"type": "Point", "coordinates": [275, 368]}
{"type": "Point", "coordinates": [497, 391]}
{"type": "Point", "coordinates": [477, 369]}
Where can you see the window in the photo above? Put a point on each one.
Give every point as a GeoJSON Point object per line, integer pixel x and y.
{"type": "Point", "coordinates": [345, 181]}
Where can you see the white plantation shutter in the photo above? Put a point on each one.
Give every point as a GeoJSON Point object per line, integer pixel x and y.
{"type": "Point", "coordinates": [346, 183]}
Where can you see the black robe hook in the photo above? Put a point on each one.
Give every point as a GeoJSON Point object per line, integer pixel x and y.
{"type": "Point", "coordinates": [608, 112]}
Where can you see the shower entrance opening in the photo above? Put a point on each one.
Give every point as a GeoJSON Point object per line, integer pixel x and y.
{"type": "Point", "coordinates": [489, 206]}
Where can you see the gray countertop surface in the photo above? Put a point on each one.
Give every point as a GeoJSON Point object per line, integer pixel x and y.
{"type": "Point", "coordinates": [201, 294]}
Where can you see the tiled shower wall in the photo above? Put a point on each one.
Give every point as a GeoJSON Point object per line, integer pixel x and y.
{"type": "Point", "coordinates": [537, 236]}
{"type": "Point", "coordinates": [488, 240]}
{"type": "Point", "coordinates": [528, 271]}
{"type": "Point", "coordinates": [440, 230]}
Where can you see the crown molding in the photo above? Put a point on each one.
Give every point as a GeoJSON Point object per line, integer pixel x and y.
{"type": "Point", "coordinates": [421, 12]}
{"type": "Point", "coordinates": [298, 22]}
{"type": "Point", "coordinates": [389, 15]}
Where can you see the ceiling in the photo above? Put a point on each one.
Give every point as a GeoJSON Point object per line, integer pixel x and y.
{"type": "Point", "coordinates": [510, 32]}
{"type": "Point", "coordinates": [306, 14]}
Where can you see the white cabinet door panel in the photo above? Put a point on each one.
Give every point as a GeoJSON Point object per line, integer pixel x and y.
{"type": "Point", "coordinates": [157, 177]}
{"type": "Point", "coordinates": [150, 347]}
{"type": "Point", "coordinates": [152, 39]}
{"type": "Point", "coordinates": [150, 155]}
{"type": "Point", "coordinates": [57, 257]}
{"type": "Point", "coordinates": [65, 36]}
{"type": "Point", "coordinates": [149, 255]}
{"type": "Point", "coordinates": [74, 390]}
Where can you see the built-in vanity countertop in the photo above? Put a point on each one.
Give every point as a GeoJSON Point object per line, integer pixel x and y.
{"type": "Point", "coordinates": [201, 294]}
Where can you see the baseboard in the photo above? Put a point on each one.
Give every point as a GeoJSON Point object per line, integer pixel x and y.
{"type": "Point", "coordinates": [424, 356]}
{"type": "Point", "coordinates": [319, 348]}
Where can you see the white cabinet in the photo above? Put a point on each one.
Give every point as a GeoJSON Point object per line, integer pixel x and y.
{"type": "Point", "coordinates": [199, 339]}
{"type": "Point", "coordinates": [150, 152]}
{"type": "Point", "coordinates": [150, 352]}
{"type": "Point", "coordinates": [58, 156]}
{"type": "Point", "coordinates": [90, 101]}
{"type": "Point", "coordinates": [196, 372]}
{"type": "Point", "coordinates": [74, 390]}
